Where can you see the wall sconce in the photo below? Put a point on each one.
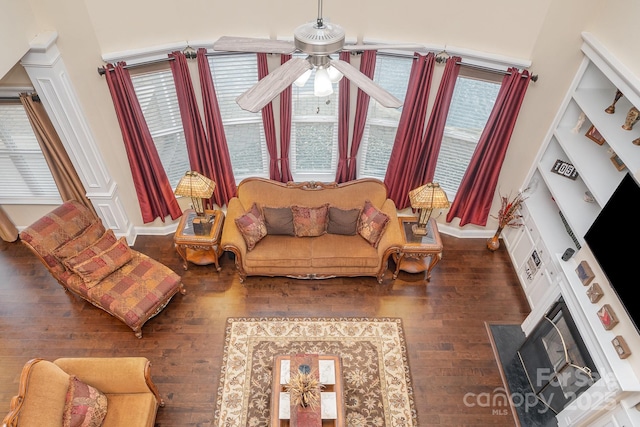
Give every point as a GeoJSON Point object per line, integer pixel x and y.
{"type": "Point", "coordinates": [425, 199]}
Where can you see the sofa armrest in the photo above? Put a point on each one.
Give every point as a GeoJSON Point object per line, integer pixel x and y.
{"type": "Point", "coordinates": [392, 237]}
{"type": "Point", "coordinates": [232, 239]}
{"type": "Point", "coordinates": [112, 375]}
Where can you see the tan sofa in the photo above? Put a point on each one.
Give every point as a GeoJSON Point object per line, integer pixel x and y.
{"type": "Point", "coordinates": [327, 255]}
{"type": "Point", "coordinates": [132, 398]}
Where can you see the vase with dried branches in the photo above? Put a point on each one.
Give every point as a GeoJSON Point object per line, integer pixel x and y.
{"type": "Point", "coordinates": [304, 388]}
{"type": "Point", "coordinates": [508, 216]}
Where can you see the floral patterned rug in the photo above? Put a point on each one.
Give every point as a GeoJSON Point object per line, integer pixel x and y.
{"type": "Point", "coordinates": [377, 380]}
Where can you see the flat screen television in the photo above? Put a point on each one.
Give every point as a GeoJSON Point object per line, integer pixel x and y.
{"type": "Point", "coordinates": [613, 239]}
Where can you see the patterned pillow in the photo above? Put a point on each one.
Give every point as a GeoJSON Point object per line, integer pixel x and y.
{"type": "Point", "coordinates": [372, 223]}
{"type": "Point", "coordinates": [310, 222]}
{"type": "Point", "coordinates": [105, 242]}
{"type": "Point", "coordinates": [252, 226]}
{"type": "Point", "coordinates": [343, 221]}
{"type": "Point", "coordinates": [84, 406]}
{"type": "Point", "coordinates": [88, 237]}
{"type": "Point", "coordinates": [93, 270]}
{"type": "Point", "coordinates": [278, 220]}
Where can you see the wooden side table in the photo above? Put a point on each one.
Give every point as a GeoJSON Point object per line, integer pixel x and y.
{"type": "Point", "coordinates": [416, 249]}
{"type": "Point", "coordinates": [200, 250]}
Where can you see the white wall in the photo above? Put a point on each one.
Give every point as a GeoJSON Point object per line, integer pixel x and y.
{"type": "Point", "coordinates": [547, 33]}
{"type": "Point", "coordinates": [17, 28]}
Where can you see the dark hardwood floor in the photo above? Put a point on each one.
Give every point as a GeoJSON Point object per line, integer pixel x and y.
{"type": "Point", "coordinates": [454, 372]}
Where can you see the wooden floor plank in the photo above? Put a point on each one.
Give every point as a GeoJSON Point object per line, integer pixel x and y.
{"type": "Point", "coordinates": [449, 350]}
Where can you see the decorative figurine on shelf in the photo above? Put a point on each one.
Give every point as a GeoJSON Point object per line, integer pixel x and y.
{"type": "Point", "coordinates": [612, 108]}
{"type": "Point", "coordinates": [581, 118]}
{"type": "Point", "coordinates": [508, 216]}
{"type": "Point", "coordinates": [632, 117]}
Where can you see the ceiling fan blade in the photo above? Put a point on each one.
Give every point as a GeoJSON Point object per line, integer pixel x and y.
{"type": "Point", "coordinates": [366, 84]}
{"type": "Point", "coordinates": [248, 44]}
{"type": "Point", "coordinates": [269, 87]}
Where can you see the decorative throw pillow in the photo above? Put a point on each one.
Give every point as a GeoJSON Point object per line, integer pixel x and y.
{"type": "Point", "coordinates": [88, 237]}
{"type": "Point", "coordinates": [105, 242]}
{"type": "Point", "coordinates": [85, 406]}
{"type": "Point", "coordinates": [252, 226]}
{"type": "Point", "coordinates": [278, 220]}
{"type": "Point", "coordinates": [372, 223]}
{"type": "Point", "coordinates": [343, 221]}
{"type": "Point", "coordinates": [310, 222]}
{"type": "Point", "coordinates": [93, 270]}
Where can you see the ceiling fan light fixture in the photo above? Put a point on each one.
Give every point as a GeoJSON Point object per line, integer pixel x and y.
{"type": "Point", "coordinates": [322, 85]}
{"type": "Point", "coordinates": [334, 75]}
{"type": "Point", "coordinates": [302, 80]}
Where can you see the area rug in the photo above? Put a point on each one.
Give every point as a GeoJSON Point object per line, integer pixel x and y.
{"type": "Point", "coordinates": [377, 380]}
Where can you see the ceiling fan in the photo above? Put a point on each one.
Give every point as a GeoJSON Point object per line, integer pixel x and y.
{"type": "Point", "coordinates": [318, 40]}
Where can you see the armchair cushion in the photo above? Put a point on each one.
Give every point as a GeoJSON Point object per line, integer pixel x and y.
{"type": "Point", "coordinates": [85, 406]}
{"type": "Point", "coordinates": [103, 264]}
{"type": "Point", "coordinates": [372, 223]}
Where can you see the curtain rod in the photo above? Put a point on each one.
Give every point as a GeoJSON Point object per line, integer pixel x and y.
{"type": "Point", "coordinates": [442, 60]}
{"type": "Point", "coordinates": [189, 53]}
{"type": "Point", "coordinates": [34, 98]}
{"type": "Point", "coordinates": [534, 77]}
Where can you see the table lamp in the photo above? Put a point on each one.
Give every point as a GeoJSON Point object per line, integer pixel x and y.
{"type": "Point", "coordinates": [425, 199]}
{"type": "Point", "coordinates": [198, 187]}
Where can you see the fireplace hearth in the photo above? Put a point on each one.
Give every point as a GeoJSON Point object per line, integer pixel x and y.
{"type": "Point", "coordinates": [546, 370]}
{"type": "Point", "coordinates": [555, 360]}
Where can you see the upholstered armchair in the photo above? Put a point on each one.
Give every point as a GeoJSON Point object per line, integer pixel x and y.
{"type": "Point", "coordinates": [90, 262]}
{"type": "Point", "coordinates": [110, 391]}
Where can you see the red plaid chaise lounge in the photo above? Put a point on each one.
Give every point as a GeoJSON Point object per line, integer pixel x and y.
{"type": "Point", "coordinates": [89, 261]}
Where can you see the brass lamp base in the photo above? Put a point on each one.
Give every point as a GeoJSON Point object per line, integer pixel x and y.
{"type": "Point", "coordinates": [418, 230]}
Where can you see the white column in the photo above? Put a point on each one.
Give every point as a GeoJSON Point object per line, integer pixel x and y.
{"type": "Point", "coordinates": [47, 72]}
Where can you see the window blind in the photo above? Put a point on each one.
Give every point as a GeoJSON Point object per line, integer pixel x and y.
{"type": "Point", "coordinates": [25, 177]}
{"type": "Point", "coordinates": [156, 94]}
{"type": "Point", "coordinates": [391, 73]}
{"type": "Point", "coordinates": [472, 102]}
{"type": "Point", "coordinates": [233, 75]}
{"type": "Point", "coordinates": [314, 133]}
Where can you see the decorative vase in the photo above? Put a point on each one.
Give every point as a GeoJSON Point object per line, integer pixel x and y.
{"type": "Point", "coordinates": [494, 242]}
{"type": "Point", "coordinates": [612, 108]}
{"type": "Point", "coordinates": [632, 117]}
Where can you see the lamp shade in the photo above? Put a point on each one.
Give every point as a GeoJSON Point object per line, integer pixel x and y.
{"type": "Point", "coordinates": [425, 199]}
{"type": "Point", "coordinates": [322, 85]}
{"type": "Point", "coordinates": [334, 75]}
{"type": "Point", "coordinates": [429, 196]}
{"type": "Point", "coordinates": [194, 184]}
{"type": "Point", "coordinates": [302, 80]}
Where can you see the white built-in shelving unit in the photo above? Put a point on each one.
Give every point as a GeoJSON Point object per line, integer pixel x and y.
{"type": "Point", "coordinates": [557, 214]}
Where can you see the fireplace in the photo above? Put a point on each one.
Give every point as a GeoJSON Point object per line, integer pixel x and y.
{"type": "Point", "coordinates": [556, 362]}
